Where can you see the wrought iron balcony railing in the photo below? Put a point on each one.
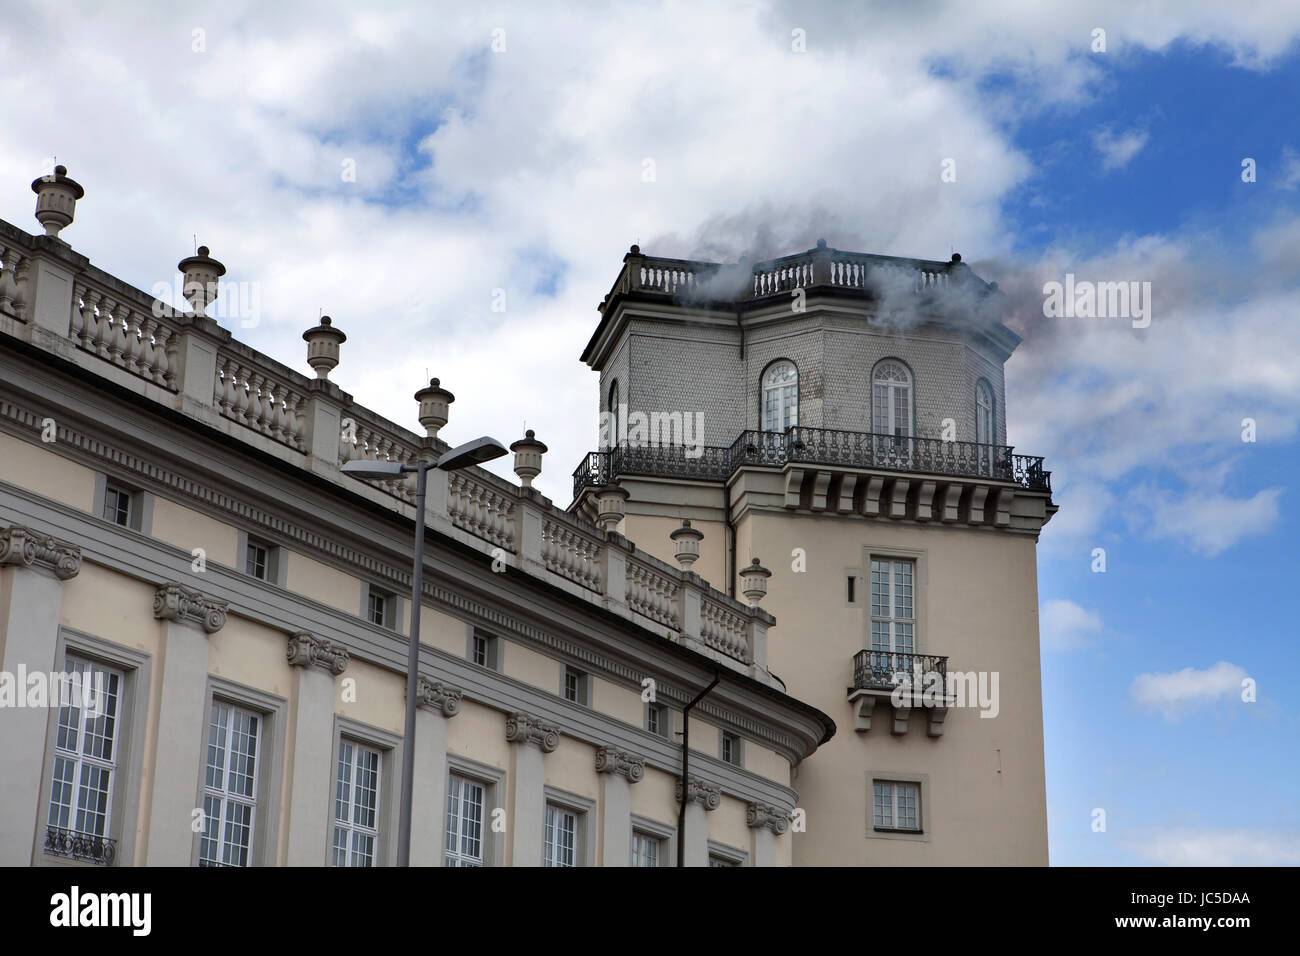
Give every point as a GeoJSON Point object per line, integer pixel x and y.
{"type": "Point", "coordinates": [80, 846]}
{"type": "Point", "coordinates": [818, 446]}
{"type": "Point", "coordinates": [885, 670]}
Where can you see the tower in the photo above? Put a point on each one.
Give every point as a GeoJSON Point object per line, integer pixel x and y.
{"type": "Point", "coordinates": [841, 418]}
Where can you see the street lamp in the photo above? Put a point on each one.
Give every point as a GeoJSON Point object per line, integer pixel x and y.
{"type": "Point", "coordinates": [462, 456]}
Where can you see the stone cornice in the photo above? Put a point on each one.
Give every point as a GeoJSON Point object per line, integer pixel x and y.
{"type": "Point", "coordinates": [176, 602]}
{"type": "Point", "coordinates": [708, 795]}
{"type": "Point", "coordinates": [524, 728]}
{"type": "Point", "coordinates": [306, 649]}
{"type": "Point", "coordinates": [616, 761]}
{"type": "Point", "coordinates": [29, 548]}
{"type": "Point", "coordinates": [436, 695]}
{"type": "Point", "coordinates": [759, 815]}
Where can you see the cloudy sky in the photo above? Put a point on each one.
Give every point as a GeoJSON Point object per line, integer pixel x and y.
{"type": "Point", "coordinates": [395, 165]}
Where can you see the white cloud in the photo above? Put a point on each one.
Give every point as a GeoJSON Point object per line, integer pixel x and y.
{"type": "Point", "coordinates": [1290, 168]}
{"type": "Point", "coordinates": [1211, 523]}
{"type": "Point", "coordinates": [1065, 625]}
{"type": "Point", "coordinates": [1175, 693]}
{"type": "Point", "coordinates": [1217, 847]}
{"type": "Point", "coordinates": [1118, 149]}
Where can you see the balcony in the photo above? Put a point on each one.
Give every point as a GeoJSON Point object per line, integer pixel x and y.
{"type": "Point", "coordinates": [82, 847]}
{"type": "Point", "coordinates": [817, 446]}
{"type": "Point", "coordinates": [901, 682]}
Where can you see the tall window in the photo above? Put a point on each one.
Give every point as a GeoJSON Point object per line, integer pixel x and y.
{"type": "Point", "coordinates": [984, 424]}
{"type": "Point", "coordinates": [85, 750]}
{"type": "Point", "coordinates": [780, 396]}
{"type": "Point", "coordinates": [615, 433]}
{"type": "Point", "coordinates": [895, 805]}
{"type": "Point", "coordinates": [230, 786]}
{"type": "Point", "coordinates": [891, 399]}
{"type": "Point", "coordinates": [893, 613]}
{"type": "Point", "coordinates": [645, 849]}
{"type": "Point", "coordinates": [464, 822]}
{"type": "Point", "coordinates": [561, 844]}
{"type": "Point", "coordinates": [356, 805]}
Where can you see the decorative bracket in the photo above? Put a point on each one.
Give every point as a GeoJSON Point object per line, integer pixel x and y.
{"type": "Point", "coordinates": [175, 602]}
{"type": "Point", "coordinates": [306, 649]}
{"type": "Point", "coordinates": [616, 761]}
{"type": "Point", "coordinates": [21, 545]}
{"type": "Point", "coordinates": [436, 695]}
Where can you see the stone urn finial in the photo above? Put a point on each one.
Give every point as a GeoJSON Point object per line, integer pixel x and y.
{"type": "Point", "coordinates": [201, 273]}
{"type": "Point", "coordinates": [56, 200]}
{"type": "Point", "coordinates": [610, 501]}
{"type": "Point", "coordinates": [753, 582]}
{"type": "Point", "coordinates": [528, 458]}
{"type": "Point", "coordinates": [323, 343]}
{"type": "Point", "coordinates": [687, 540]}
{"type": "Point", "coordinates": [433, 406]}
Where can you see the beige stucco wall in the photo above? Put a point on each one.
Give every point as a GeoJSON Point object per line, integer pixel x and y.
{"type": "Point", "coordinates": [189, 529]}
{"type": "Point", "coordinates": [34, 467]}
{"type": "Point", "coordinates": [978, 605]}
{"type": "Point", "coordinates": [322, 583]}
{"type": "Point", "coordinates": [527, 665]}
{"type": "Point", "coordinates": [619, 702]}
{"type": "Point", "coordinates": [651, 533]}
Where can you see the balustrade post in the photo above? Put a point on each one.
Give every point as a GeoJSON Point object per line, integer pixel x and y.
{"type": "Point", "coordinates": [194, 360]}
{"type": "Point", "coordinates": [49, 285]}
{"type": "Point", "coordinates": [613, 572]}
{"type": "Point", "coordinates": [530, 517]}
{"type": "Point", "coordinates": [690, 598]}
{"type": "Point", "coordinates": [322, 423]}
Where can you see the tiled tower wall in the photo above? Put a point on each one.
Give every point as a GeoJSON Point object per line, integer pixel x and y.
{"type": "Point", "coordinates": [673, 367]}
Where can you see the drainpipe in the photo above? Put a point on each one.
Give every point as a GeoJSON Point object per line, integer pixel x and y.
{"type": "Point", "coordinates": [686, 751]}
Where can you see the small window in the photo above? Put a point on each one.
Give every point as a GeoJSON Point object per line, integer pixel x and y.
{"type": "Point", "coordinates": [852, 588]}
{"type": "Point", "coordinates": [257, 561]}
{"type": "Point", "coordinates": [656, 719]}
{"type": "Point", "coordinates": [646, 849]}
{"type": "Point", "coordinates": [715, 860]}
{"type": "Point", "coordinates": [117, 505]}
{"type": "Point", "coordinates": [230, 786]}
{"type": "Point", "coordinates": [560, 846]}
{"type": "Point", "coordinates": [356, 805]}
{"type": "Point", "coordinates": [465, 837]}
{"type": "Point", "coordinates": [576, 685]}
{"type": "Point", "coordinates": [730, 749]}
{"type": "Point", "coordinates": [485, 650]}
{"type": "Point", "coordinates": [896, 805]}
{"type": "Point", "coordinates": [380, 608]}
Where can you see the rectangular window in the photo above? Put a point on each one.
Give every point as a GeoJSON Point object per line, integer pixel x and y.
{"type": "Point", "coordinates": [575, 685]}
{"type": "Point", "coordinates": [893, 612]}
{"type": "Point", "coordinates": [561, 838]}
{"type": "Point", "coordinates": [356, 805]}
{"type": "Point", "coordinates": [656, 719]}
{"type": "Point", "coordinates": [379, 607]}
{"type": "Point", "coordinates": [715, 860]}
{"type": "Point", "coordinates": [896, 805]}
{"type": "Point", "coordinates": [230, 786]}
{"type": "Point", "coordinates": [117, 505]}
{"type": "Point", "coordinates": [464, 822]}
{"type": "Point", "coordinates": [730, 749]}
{"type": "Point", "coordinates": [852, 588]}
{"type": "Point", "coordinates": [645, 849]}
{"type": "Point", "coordinates": [85, 751]}
{"type": "Point", "coordinates": [480, 650]}
{"type": "Point", "coordinates": [257, 561]}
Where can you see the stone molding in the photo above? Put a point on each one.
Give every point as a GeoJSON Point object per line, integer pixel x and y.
{"type": "Point", "coordinates": [436, 695]}
{"type": "Point", "coordinates": [617, 761]}
{"type": "Point", "coordinates": [175, 602]}
{"type": "Point", "coordinates": [708, 795]}
{"type": "Point", "coordinates": [758, 815]}
{"type": "Point", "coordinates": [306, 649]}
{"type": "Point", "coordinates": [20, 545]}
{"type": "Point", "coordinates": [524, 728]}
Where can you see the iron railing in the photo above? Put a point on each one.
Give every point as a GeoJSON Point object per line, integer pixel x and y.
{"type": "Point", "coordinates": [818, 446]}
{"type": "Point", "coordinates": [80, 846]}
{"type": "Point", "coordinates": [885, 670]}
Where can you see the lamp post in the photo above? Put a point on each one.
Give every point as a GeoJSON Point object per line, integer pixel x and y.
{"type": "Point", "coordinates": [471, 453]}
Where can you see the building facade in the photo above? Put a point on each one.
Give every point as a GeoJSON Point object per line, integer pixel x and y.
{"type": "Point", "coordinates": [203, 620]}
{"type": "Point", "coordinates": [842, 416]}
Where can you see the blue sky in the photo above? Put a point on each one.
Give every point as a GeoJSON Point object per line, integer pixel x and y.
{"type": "Point", "coordinates": [499, 156]}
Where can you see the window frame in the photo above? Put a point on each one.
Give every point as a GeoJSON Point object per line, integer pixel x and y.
{"type": "Point", "coordinates": [613, 395]}
{"type": "Point", "coordinates": [730, 855]}
{"type": "Point", "coordinates": [922, 782]}
{"type": "Point", "coordinates": [737, 748]}
{"type": "Point", "coordinates": [222, 793]}
{"type": "Point", "coordinates": [276, 565]}
{"type": "Point", "coordinates": [394, 607]}
{"type": "Point", "coordinates": [582, 688]}
{"type": "Point", "coordinates": [891, 412]}
{"type": "Point", "coordinates": [389, 746]}
{"type": "Point", "coordinates": [494, 646]}
{"type": "Point", "coordinates": [492, 780]}
{"type": "Point", "coordinates": [764, 388]}
{"type": "Point", "coordinates": [663, 832]}
{"type": "Point", "coordinates": [581, 808]}
{"type": "Point", "coordinates": [139, 515]}
{"type": "Point", "coordinates": [273, 711]}
{"type": "Point", "coordinates": [891, 619]}
{"type": "Point", "coordinates": [667, 712]}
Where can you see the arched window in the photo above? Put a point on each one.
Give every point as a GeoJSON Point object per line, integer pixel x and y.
{"type": "Point", "coordinates": [780, 396]}
{"type": "Point", "coordinates": [612, 417]}
{"type": "Point", "coordinates": [891, 399]}
{"type": "Point", "coordinates": [983, 413]}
